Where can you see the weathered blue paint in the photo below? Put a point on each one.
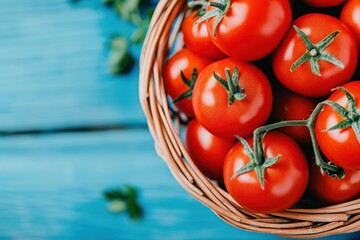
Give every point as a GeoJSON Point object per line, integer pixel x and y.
{"type": "Point", "coordinates": [53, 65]}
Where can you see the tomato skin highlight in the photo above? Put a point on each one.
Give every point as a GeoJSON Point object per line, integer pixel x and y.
{"type": "Point", "coordinates": [331, 190]}
{"type": "Point", "coordinates": [302, 80]}
{"type": "Point", "coordinates": [291, 106]}
{"type": "Point", "coordinates": [340, 146]}
{"type": "Point", "coordinates": [350, 15]}
{"type": "Point", "coordinates": [197, 39]}
{"type": "Point", "coordinates": [210, 100]}
{"type": "Point", "coordinates": [206, 150]}
{"type": "Point", "coordinates": [285, 181]}
{"type": "Point", "coordinates": [185, 61]}
{"type": "Point", "coordinates": [251, 29]}
{"type": "Point", "coordinates": [323, 3]}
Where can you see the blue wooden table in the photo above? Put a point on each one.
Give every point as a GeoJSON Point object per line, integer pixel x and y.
{"type": "Point", "coordinates": [54, 81]}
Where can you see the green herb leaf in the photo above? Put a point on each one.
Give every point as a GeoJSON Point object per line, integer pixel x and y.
{"type": "Point", "coordinates": [117, 206]}
{"type": "Point", "coordinates": [115, 194]}
{"type": "Point", "coordinates": [134, 210]}
{"type": "Point", "coordinates": [121, 60]}
{"type": "Point", "coordinates": [108, 2]}
{"type": "Point", "coordinates": [139, 34]}
{"type": "Point", "coordinates": [124, 199]}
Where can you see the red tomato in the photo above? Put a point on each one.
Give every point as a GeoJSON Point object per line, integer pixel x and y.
{"type": "Point", "coordinates": [303, 80]}
{"type": "Point", "coordinates": [350, 15]}
{"type": "Point", "coordinates": [183, 61]}
{"type": "Point", "coordinates": [250, 29]}
{"type": "Point", "coordinates": [323, 3]}
{"type": "Point", "coordinates": [197, 39]}
{"type": "Point", "coordinates": [206, 150]}
{"type": "Point", "coordinates": [285, 181]}
{"type": "Point", "coordinates": [211, 99]}
{"type": "Point", "coordinates": [291, 106]}
{"type": "Point", "coordinates": [332, 190]}
{"type": "Point", "coordinates": [340, 146]}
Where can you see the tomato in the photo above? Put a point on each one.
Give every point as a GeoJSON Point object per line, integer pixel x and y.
{"type": "Point", "coordinates": [316, 80]}
{"type": "Point", "coordinates": [197, 39]}
{"type": "Point", "coordinates": [285, 181]}
{"type": "Point", "coordinates": [206, 150]}
{"type": "Point", "coordinates": [350, 15]}
{"type": "Point", "coordinates": [323, 3]}
{"type": "Point", "coordinates": [249, 29]}
{"type": "Point", "coordinates": [340, 146]}
{"type": "Point", "coordinates": [211, 100]}
{"type": "Point", "coordinates": [291, 106]}
{"type": "Point", "coordinates": [184, 61]}
{"type": "Point", "coordinates": [332, 190]}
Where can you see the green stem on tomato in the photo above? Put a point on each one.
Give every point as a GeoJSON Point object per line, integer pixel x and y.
{"type": "Point", "coordinates": [220, 8]}
{"type": "Point", "coordinates": [316, 52]}
{"type": "Point", "coordinates": [259, 162]}
{"type": "Point", "coordinates": [258, 149]}
{"type": "Point", "coordinates": [309, 123]}
{"type": "Point", "coordinates": [195, 4]}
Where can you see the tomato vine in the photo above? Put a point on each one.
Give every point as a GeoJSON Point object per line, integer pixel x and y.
{"type": "Point", "coordinates": [259, 162]}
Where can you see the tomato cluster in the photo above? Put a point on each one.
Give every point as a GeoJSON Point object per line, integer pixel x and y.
{"type": "Point", "coordinates": [270, 92]}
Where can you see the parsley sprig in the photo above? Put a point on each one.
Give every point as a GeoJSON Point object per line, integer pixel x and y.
{"type": "Point", "coordinates": [124, 199]}
{"type": "Point", "coordinates": [138, 13]}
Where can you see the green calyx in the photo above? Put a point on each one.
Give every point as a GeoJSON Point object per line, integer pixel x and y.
{"type": "Point", "coordinates": [258, 161]}
{"type": "Point", "coordinates": [190, 83]}
{"type": "Point", "coordinates": [231, 84]}
{"type": "Point", "coordinates": [351, 115]}
{"type": "Point", "coordinates": [338, 173]}
{"type": "Point", "coordinates": [199, 7]}
{"type": "Point", "coordinates": [221, 7]}
{"type": "Point", "coordinates": [316, 52]}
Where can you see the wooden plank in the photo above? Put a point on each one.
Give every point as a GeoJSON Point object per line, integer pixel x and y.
{"type": "Point", "coordinates": [51, 185]}
{"type": "Point", "coordinates": [53, 64]}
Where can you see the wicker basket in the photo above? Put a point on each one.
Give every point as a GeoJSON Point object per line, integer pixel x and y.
{"type": "Point", "coordinates": [292, 223]}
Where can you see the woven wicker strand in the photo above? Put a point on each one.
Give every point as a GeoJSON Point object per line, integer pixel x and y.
{"type": "Point", "coordinates": [292, 223]}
